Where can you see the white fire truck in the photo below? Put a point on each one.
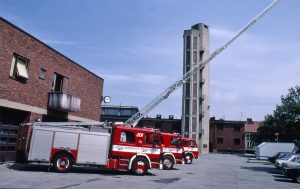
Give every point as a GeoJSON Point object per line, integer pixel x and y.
{"type": "Point", "coordinates": [67, 143]}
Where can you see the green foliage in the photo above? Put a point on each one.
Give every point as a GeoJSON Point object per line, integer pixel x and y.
{"type": "Point", "coordinates": [285, 120]}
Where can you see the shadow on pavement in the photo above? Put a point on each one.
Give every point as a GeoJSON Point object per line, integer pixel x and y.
{"type": "Point", "coordinates": [75, 169]}
{"type": "Point", "coordinates": [271, 170]}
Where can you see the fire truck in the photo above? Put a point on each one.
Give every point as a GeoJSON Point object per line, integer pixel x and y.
{"type": "Point", "coordinates": [190, 149]}
{"type": "Point", "coordinates": [63, 144]}
{"type": "Point", "coordinates": [171, 150]}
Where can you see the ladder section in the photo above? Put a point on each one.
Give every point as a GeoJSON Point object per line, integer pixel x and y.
{"type": "Point", "coordinates": [165, 94]}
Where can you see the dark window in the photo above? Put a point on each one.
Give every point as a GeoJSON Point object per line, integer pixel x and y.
{"type": "Point", "coordinates": [237, 128]}
{"type": "Point", "coordinates": [187, 106]}
{"type": "Point", "coordinates": [19, 68]}
{"type": "Point", "coordinates": [187, 90]}
{"type": "Point", "coordinates": [12, 140]}
{"type": "Point", "coordinates": [127, 136]}
{"type": "Point", "coordinates": [174, 141]}
{"type": "Point", "coordinates": [4, 131]}
{"type": "Point", "coordinates": [186, 126]}
{"type": "Point", "coordinates": [236, 141]}
{"type": "Point", "coordinates": [151, 138]}
{"type": "Point", "coordinates": [220, 127]}
{"type": "Point", "coordinates": [42, 74]}
{"type": "Point", "coordinates": [3, 140]}
{"type": "Point", "coordinates": [188, 42]}
{"type": "Point", "coordinates": [126, 113]}
{"type": "Point", "coordinates": [11, 148]}
{"type": "Point", "coordinates": [59, 83]}
{"type": "Point", "coordinates": [2, 148]}
{"type": "Point", "coordinates": [187, 57]}
{"type": "Point", "coordinates": [219, 140]}
{"type": "Point", "coordinates": [13, 132]}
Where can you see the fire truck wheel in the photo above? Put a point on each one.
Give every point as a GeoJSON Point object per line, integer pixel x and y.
{"type": "Point", "coordinates": [168, 162]}
{"type": "Point", "coordinates": [188, 159]}
{"type": "Point", "coordinates": [139, 166]}
{"type": "Point", "coordinates": [62, 162]}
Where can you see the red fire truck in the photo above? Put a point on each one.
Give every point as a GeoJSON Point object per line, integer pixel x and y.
{"type": "Point", "coordinates": [190, 149]}
{"type": "Point", "coordinates": [74, 143]}
{"type": "Point", "coordinates": [171, 150]}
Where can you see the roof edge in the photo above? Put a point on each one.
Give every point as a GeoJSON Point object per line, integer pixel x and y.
{"type": "Point", "coordinates": [23, 31]}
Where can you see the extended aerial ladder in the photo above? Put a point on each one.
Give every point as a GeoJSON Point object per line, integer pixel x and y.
{"type": "Point", "coordinates": [165, 94]}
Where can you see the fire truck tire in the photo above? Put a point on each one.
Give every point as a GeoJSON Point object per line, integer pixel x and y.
{"type": "Point", "coordinates": [62, 162]}
{"type": "Point", "coordinates": [139, 166]}
{"type": "Point", "coordinates": [188, 159]}
{"type": "Point", "coordinates": [168, 162]}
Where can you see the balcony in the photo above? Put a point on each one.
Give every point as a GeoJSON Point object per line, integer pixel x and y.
{"type": "Point", "coordinates": [63, 102]}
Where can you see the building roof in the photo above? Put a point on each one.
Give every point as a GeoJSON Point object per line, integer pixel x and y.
{"type": "Point", "coordinates": [251, 127]}
{"type": "Point", "coordinates": [26, 33]}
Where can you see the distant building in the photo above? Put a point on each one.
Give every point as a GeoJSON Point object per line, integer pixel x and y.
{"type": "Point", "coordinates": [39, 83]}
{"type": "Point", "coordinates": [232, 136]}
{"type": "Point", "coordinates": [195, 96]}
{"type": "Point", "coordinates": [122, 113]}
{"type": "Point", "coordinates": [250, 129]}
{"type": "Point", "coordinates": [226, 135]}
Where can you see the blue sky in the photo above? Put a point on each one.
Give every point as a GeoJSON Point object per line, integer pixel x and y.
{"type": "Point", "coordinates": [136, 46]}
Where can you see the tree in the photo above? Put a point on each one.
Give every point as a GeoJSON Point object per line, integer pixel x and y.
{"type": "Point", "coordinates": [285, 120]}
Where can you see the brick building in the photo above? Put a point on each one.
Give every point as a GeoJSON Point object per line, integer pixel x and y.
{"type": "Point", "coordinates": [38, 82]}
{"type": "Point", "coordinates": [232, 136]}
{"type": "Point", "coordinates": [250, 129]}
{"type": "Point", "coordinates": [122, 113]}
{"type": "Point", "coordinates": [226, 135]}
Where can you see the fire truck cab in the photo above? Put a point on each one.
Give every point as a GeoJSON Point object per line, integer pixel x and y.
{"type": "Point", "coordinates": [63, 144]}
{"type": "Point", "coordinates": [190, 150]}
{"type": "Point", "coordinates": [171, 150]}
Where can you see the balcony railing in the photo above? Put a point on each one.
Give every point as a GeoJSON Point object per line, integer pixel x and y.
{"type": "Point", "coordinates": [63, 102]}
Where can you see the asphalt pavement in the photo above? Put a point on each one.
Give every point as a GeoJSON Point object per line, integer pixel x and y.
{"type": "Point", "coordinates": [230, 171]}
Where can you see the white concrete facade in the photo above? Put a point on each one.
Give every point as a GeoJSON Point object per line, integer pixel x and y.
{"type": "Point", "coordinates": [195, 99]}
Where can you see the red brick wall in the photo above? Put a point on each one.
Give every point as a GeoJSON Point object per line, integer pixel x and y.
{"type": "Point", "coordinates": [34, 92]}
{"type": "Point", "coordinates": [228, 134]}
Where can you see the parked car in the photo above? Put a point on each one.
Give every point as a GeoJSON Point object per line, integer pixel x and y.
{"type": "Point", "coordinates": [279, 162]}
{"type": "Point", "coordinates": [295, 162]}
{"type": "Point", "coordinates": [279, 155]}
{"type": "Point", "coordinates": [292, 172]}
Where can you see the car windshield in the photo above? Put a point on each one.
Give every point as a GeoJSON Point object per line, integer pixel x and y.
{"type": "Point", "coordinates": [286, 157]}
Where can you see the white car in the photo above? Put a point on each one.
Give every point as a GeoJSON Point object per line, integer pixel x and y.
{"type": "Point", "coordinates": [291, 158]}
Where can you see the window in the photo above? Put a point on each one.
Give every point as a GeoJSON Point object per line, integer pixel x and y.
{"type": "Point", "coordinates": [59, 83]}
{"type": "Point", "coordinates": [194, 57]}
{"type": "Point", "coordinates": [19, 68]}
{"type": "Point", "coordinates": [187, 57]}
{"type": "Point", "coordinates": [187, 123]}
{"type": "Point", "coordinates": [151, 138]}
{"type": "Point", "coordinates": [237, 128]}
{"type": "Point", "coordinates": [187, 90]}
{"type": "Point", "coordinates": [219, 140]}
{"type": "Point", "coordinates": [195, 107]}
{"type": "Point", "coordinates": [11, 148]}
{"type": "Point", "coordinates": [219, 127]}
{"type": "Point", "coordinates": [3, 140]}
{"type": "Point", "coordinates": [194, 42]}
{"type": "Point", "coordinates": [174, 141]}
{"type": "Point", "coordinates": [188, 42]}
{"type": "Point", "coordinates": [236, 141]}
{"type": "Point", "coordinates": [42, 74]}
{"type": "Point", "coordinates": [194, 124]}
{"type": "Point", "coordinates": [187, 106]}
{"type": "Point", "coordinates": [127, 136]}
